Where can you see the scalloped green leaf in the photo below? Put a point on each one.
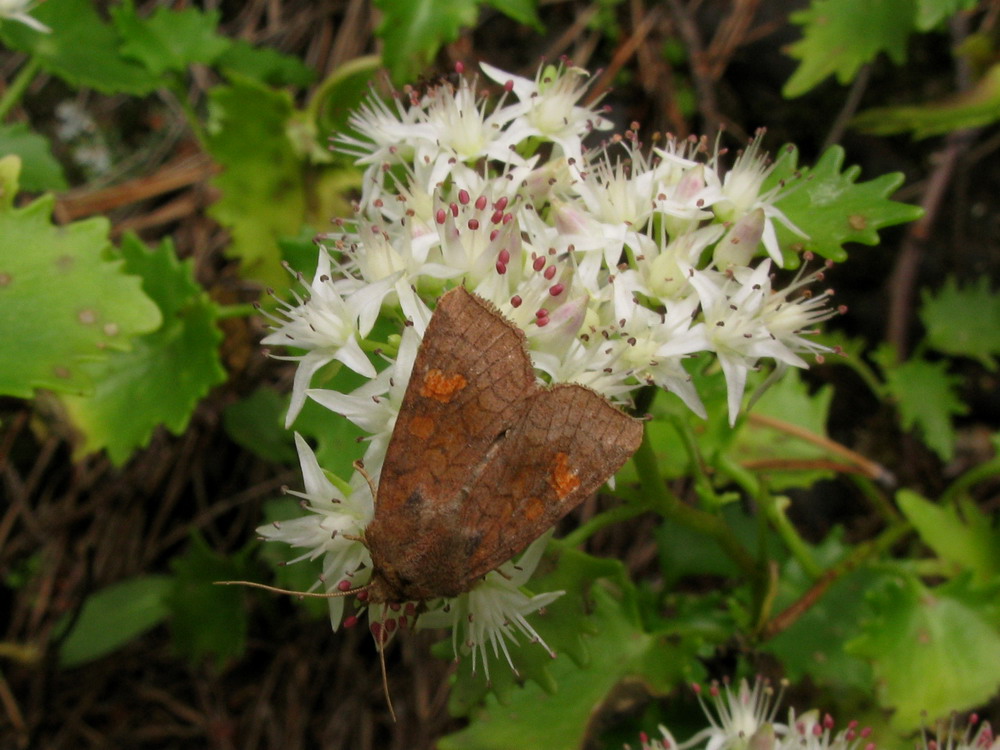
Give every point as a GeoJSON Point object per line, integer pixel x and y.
{"type": "Point", "coordinates": [412, 32]}
{"type": "Point", "coordinates": [933, 650]}
{"type": "Point", "coordinates": [828, 204]}
{"type": "Point", "coordinates": [112, 617]}
{"type": "Point", "coordinates": [927, 398]}
{"type": "Point", "coordinates": [169, 40]}
{"type": "Point", "coordinates": [839, 36]}
{"type": "Point", "coordinates": [39, 169]}
{"type": "Point", "coordinates": [974, 108]}
{"type": "Point", "coordinates": [162, 379]}
{"type": "Point", "coordinates": [619, 651]}
{"type": "Point", "coordinates": [963, 536]}
{"type": "Point", "coordinates": [82, 49]}
{"type": "Point", "coordinates": [263, 196]}
{"type": "Point", "coordinates": [948, 315]}
{"type": "Point", "coordinates": [63, 303]}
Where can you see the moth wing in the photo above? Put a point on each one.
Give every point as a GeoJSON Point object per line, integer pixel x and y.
{"type": "Point", "coordinates": [469, 378]}
{"type": "Point", "coordinates": [569, 442]}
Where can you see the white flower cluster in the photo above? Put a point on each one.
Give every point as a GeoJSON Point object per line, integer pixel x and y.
{"type": "Point", "coordinates": [744, 720]}
{"type": "Point", "coordinates": [616, 265]}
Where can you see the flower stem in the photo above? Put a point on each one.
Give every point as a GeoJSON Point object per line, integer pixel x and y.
{"type": "Point", "coordinates": [859, 555]}
{"type": "Point", "coordinates": [659, 498]}
{"type": "Point", "coordinates": [619, 513]}
{"type": "Point", "coordinates": [18, 86]}
{"type": "Point", "coordinates": [977, 474]}
{"type": "Point", "coordinates": [774, 509]}
{"type": "Point", "coordinates": [234, 311]}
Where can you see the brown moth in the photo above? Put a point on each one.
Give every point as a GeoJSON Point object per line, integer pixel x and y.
{"type": "Point", "coordinates": [483, 460]}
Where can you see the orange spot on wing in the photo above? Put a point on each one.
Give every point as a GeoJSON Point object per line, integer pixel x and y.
{"type": "Point", "coordinates": [441, 387]}
{"type": "Point", "coordinates": [533, 508]}
{"type": "Point", "coordinates": [562, 478]}
{"type": "Point", "coordinates": [421, 427]}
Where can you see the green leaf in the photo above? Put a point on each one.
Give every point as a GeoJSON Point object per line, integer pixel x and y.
{"type": "Point", "coordinates": [926, 397]}
{"type": "Point", "coordinates": [962, 536]}
{"type": "Point", "coordinates": [964, 321]}
{"type": "Point", "coordinates": [976, 107]}
{"type": "Point", "coordinates": [208, 620]}
{"type": "Point", "coordinates": [829, 206]}
{"type": "Point", "coordinates": [263, 197]}
{"type": "Point", "coordinates": [533, 718]}
{"type": "Point", "coordinates": [522, 11]}
{"type": "Point", "coordinates": [257, 424]}
{"type": "Point", "coordinates": [39, 169]}
{"type": "Point", "coordinates": [933, 650]}
{"type": "Point", "coordinates": [62, 303]}
{"type": "Point", "coordinates": [265, 65]}
{"type": "Point", "coordinates": [789, 401]}
{"type": "Point", "coordinates": [162, 379]}
{"type": "Point", "coordinates": [839, 36]}
{"type": "Point", "coordinates": [82, 49]}
{"type": "Point", "coordinates": [112, 617]}
{"type": "Point", "coordinates": [412, 32]}
{"type": "Point", "coordinates": [814, 645]}
{"type": "Point", "coordinates": [169, 40]}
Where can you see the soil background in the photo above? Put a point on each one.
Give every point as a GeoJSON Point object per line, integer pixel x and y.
{"type": "Point", "coordinates": [299, 685]}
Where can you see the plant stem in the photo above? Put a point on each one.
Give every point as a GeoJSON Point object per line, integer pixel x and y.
{"type": "Point", "coordinates": [862, 552]}
{"type": "Point", "coordinates": [667, 504]}
{"type": "Point", "coordinates": [18, 86]}
{"type": "Point", "coordinates": [614, 515]}
{"type": "Point", "coordinates": [774, 509]}
{"type": "Point", "coordinates": [974, 475]}
{"type": "Point", "coordinates": [234, 311]}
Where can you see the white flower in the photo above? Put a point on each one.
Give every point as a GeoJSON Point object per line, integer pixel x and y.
{"type": "Point", "coordinates": [948, 736]}
{"type": "Point", "coordinates": [547, 107]}
{"type": "Point", "coordinates": [492, 614]}
{"type": "Point", "coordinates": [740, 719]}
{"type": "Point", "coordinates": [327, 325]}
{"type": "Point", "coordinates": [334, 516]}
{"type": "Point", "coordinates": [374, 406]}
{"type": "Point", "coordinates": [810, 732]}
{"type": "Point", "coordinates": [741, 195]}
{"type": "Point", "coordinates": [17, 10]}
{"type": "Point", "coordinates": [738, 308]}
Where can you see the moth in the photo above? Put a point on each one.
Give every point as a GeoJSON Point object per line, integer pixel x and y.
{"type": "Point", "coordinates": [482, 460]}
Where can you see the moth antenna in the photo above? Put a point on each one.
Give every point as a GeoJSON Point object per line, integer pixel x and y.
{"type": "Point", "coordinates": [312, 594]}
{"type": "Point", "coordinates": [385, 678]}
{"type": "Point", "coordinates": [360, 468]}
